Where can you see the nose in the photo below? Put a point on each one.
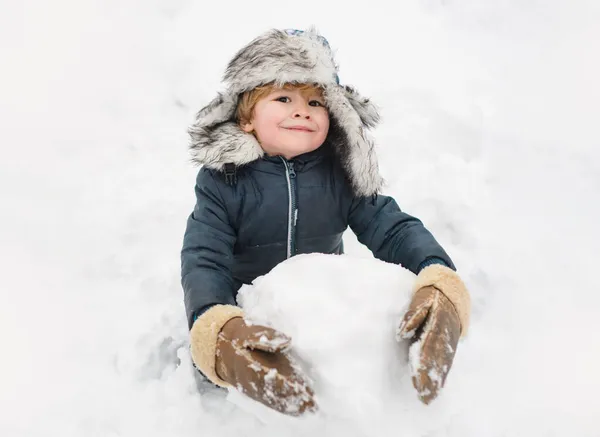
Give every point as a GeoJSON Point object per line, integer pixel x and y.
{"type": "Point", "coordinates": [301, 111]}
{"type": "Point", "coordinates": [302, 114]}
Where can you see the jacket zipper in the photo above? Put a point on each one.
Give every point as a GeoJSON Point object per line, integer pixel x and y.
{"type": "Point", "coordinates": [290, 175]}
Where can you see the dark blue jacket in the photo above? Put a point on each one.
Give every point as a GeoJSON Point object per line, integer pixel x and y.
{"type": "Point", "coordinates": [248, 221]}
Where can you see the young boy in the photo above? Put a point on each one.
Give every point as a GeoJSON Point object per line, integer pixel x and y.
{"type": "Point", "coordinates": [287, 167]}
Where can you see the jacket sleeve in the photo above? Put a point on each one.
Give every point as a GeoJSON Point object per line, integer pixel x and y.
{"type": "Point", "coordinates": [394, 236]}
{"type": "Point", "coordinates": [207, 251]}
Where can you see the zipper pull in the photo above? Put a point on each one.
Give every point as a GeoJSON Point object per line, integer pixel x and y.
{"type": "Point", "coordinates": [291, 169]}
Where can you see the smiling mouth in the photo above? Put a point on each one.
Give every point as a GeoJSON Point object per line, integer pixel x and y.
{"type": "Point", "coordinates": [299, 129]}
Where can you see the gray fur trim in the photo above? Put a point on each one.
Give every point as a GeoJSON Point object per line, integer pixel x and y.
{"type": "Point", "coordinates": [276, 57]}
{"type": "Point", "coordinates": [368, 113]}
{"type": "Point", "coordinates": [359, 158]}
{"type": "Point", "coordinates": [280, 58]}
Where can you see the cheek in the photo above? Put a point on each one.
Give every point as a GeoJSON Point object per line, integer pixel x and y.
{"type": "Point", "coordinates": [324, 124]}
{"type": "Point", "coordinates": [266, 124]}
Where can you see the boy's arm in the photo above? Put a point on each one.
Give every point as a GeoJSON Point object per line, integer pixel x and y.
{"type": "Point", "coordinates": [207, 251]}
{"type": "Point", "coordinates": [394, 236]}
{"type": "Point", "coordinates": [440, 307]}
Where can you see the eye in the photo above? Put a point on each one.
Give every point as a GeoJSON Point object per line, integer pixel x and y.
{"type": "Point", "coordinates": [283, 99]}
{"type": "Point", "coordinates": [316, 103]}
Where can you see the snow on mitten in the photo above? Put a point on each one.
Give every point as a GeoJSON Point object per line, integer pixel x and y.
{"type": "Point", "coordinates": [437, 317]}
{"type": "Point", "coordinates": [254, 360]}
{"type": "Point", "coordinates": [250, 358]}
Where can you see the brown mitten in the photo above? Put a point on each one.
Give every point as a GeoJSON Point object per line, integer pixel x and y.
{"type": "Point", "coordinates": [250, 358]}
{"type": "Point", "coordinates": [438, 313]}
{"type": "Point", "coordinates": [253, 359]}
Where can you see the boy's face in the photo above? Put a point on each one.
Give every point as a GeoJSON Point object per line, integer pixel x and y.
{"type": "Point", "coordinates": [290, 122]}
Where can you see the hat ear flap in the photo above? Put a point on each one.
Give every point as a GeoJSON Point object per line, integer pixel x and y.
{"type": "Point", "coordinates": [367, 111]}
{"type": "Point", "coordinates": [216, 138]}
{"type": "Point", "coordinates": [220, 109]}
{"type": "Point", "coordinates": [357, 150]}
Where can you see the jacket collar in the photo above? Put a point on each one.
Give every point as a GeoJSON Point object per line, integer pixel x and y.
{"type": "Point", "coordinates": [301, 162]}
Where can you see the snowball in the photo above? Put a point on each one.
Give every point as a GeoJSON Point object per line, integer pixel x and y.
{"type": "Point", "coordinates": [342, 314]}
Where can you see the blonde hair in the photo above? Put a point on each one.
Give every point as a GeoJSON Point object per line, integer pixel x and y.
{"type": "Point", "coordinates": [248, 100]}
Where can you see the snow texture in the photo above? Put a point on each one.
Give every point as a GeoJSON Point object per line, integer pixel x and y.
{"type": "Point", "coordinates": [489, 135]}
{"type": "Point", "coordinates": [272, 343]}
{"type": "Point", "coordinates": [342, 323]}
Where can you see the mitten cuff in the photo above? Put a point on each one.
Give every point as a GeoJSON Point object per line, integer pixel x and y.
{"type": "Point", "coordinates": [449, 283]}
{"type": "Point", "coordinates": [204, 335]}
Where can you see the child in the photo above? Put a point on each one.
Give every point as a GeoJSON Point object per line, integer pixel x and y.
{"type": "Point", "coordinates": [287, 167]}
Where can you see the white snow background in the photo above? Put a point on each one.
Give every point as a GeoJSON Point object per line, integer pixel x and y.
{"type": "Point", "coordinates": [489, 135]}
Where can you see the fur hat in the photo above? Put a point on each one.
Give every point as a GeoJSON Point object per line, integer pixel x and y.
{"type": "Point", "coordinates": [281, 57]}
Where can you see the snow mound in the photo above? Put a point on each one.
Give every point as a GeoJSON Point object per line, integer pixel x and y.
{"type": "Point", "coordinates": [343, 326]}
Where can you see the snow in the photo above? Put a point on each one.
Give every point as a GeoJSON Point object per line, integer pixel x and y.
{"type": "Point", "coordinates": [272, 344]}
{"type": "Point", "coordinates": [489, 135]}
{"type": "Point", "coordinates": [414, 357]}
{"type": "Point", "coordinates": [343, 339]}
